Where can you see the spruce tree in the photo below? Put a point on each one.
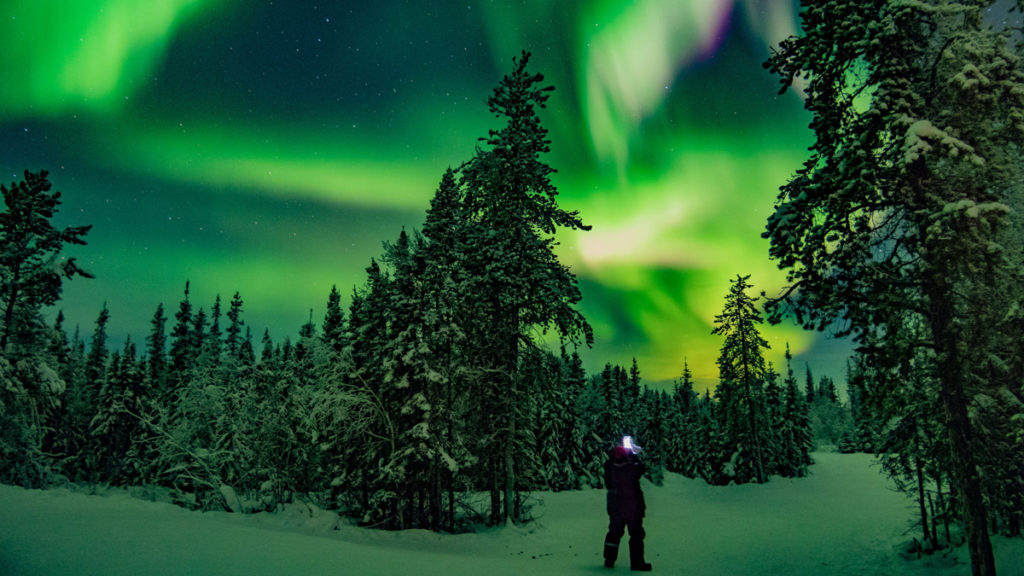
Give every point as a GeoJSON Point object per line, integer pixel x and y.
{"type": "Point", "coordinates": [76, 408]}
{"type": "Point", "coordinates": [96, 361]}
{"type": "Point", "coordinates": [233, 338]}
{"type": "Point", "coordinates": [333, 330]}
{"type": "Point", "coordinates": [682, 448]}
{"type": "Point", "coordinates": [653, 408]}
{"type": "Point", "coordinates": [406, 385]}
{"type": "Point", "coordinates": [774, 443]}
{"type": "Point", "coordinates": [510, 196]}
{"type": "Point", "coordinates": [154, 409]}
{"type": "Point", "coordinates": [116, 425]}
{"type": "Point", "coordinates": [370, 437]}
{"type": "Point", "coordinates": [95, 372]}
{"type": "Point", "coordinates": [809, 386]}
{"type": "Point", "coordinates": [183, 351]}
{"type": "Point", "coordinates": [540, 429]}
{"type": "Point", "coordinates": [57, 438]}
{"type": "Point", "coordinates": [305, 352]}
{"type": "Point", "coordinates": [917, 112]}
{"type": "Point", "coordinates": [579, 451]}
{"type": "Point", "coordinates": [214, 338]}
{"type": "Point", "coordinates": [156, 357]}
{"type": "Point", "coordinates": [267, 354]}
{"type": "Point", "coordinates": [712, 454]}
{"type": "Point", "coordinates": [861, 437]}
{"type": "Point", "coordinates": [610, 422]}
{"type": "Point", "coordinates": [447, 316]}
{"type": "Point", "coordinates": [797, 438]}
{"type": "Point", "coordinates": [742, 369]}
{"type": "Point", "coordinates": [246, 353]}
{"type": "Point", "coordinates": [30, 249]}
{"type": "Point", "coordinates": [827, 390]}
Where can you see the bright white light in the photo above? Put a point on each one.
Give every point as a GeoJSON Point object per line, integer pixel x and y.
{"type": "Point", "coordinates": [627, 443]}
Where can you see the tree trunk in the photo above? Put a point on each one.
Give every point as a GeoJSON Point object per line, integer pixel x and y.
{"type": "Point", "coordinates": [954, 401]}
{"type": "Point", "coordinates": [495, 491]}
{"type": "Point", "coordinates": [974, 513]}
{"type": "Point", "coordinates": [512, 375]}
{"type": "Point", "coordinates": [510, 443]}
{"type": "Point", "coordinates": [434, 513]}
{"type": "Point", "coordinates": [450, 475]}
{"type": "Point", "coordinates": [921, 504]}
{"type": "Point", "coordinates": [935, 523]}
{"type": "Point", "coordinates": [451, 507]}
{"type": "Point", "coordinates": [942, 506]}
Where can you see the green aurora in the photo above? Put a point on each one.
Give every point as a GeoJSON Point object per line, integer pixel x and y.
{"type": "Point", "coordinates": [270, 147]}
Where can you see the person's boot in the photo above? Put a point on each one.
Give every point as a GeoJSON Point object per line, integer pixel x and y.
{"type": "Point", "coordinates": [636, 556]}
{"type": "Point", "coordinates": [611, 552]}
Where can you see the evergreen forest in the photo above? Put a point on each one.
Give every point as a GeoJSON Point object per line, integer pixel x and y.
{"type": "Point", "coordinates": [434, 401]}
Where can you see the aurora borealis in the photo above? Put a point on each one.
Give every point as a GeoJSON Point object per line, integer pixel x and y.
{"type": "Point", "coordinates": [270, 147]}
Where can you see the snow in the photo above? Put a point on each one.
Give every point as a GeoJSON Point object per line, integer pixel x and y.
{"type": "Point", "coordinates": [843, 519]}
{"type": "Point", "coordinates": [971, 209]}
{"type": "Point", "coordinates": [919, 132]}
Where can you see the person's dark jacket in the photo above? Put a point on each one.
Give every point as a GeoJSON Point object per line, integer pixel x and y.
{"type": "Point", "coordinates": [622, 477]}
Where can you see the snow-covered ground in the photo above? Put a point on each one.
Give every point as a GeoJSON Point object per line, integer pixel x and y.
{"type": "Point", "coordinates": [844, 519]}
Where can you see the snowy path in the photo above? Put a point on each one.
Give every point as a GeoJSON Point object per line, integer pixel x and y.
{"type": "Point", "coordinates": [842, 520]}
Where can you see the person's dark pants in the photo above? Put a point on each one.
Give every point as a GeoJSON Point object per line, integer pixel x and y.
{"type": "Point", "coordinates": [616, 528]}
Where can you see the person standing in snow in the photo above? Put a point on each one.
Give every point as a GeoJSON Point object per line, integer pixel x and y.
{"type": "Point", "coordinates": [626, 506]}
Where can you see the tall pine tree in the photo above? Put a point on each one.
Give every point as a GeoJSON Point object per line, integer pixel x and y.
{"type": "Point", "coordinates": [918, 112]}
{"type": "Point", "coordinates": [510, 196]}
{"type": "Point", "coordinates": [741, 369]}
{"type": "Point", "coordinates": [32, 271]}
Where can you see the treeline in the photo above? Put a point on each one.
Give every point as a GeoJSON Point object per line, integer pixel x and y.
{"type": "Point", "coordinates": [225, 427]}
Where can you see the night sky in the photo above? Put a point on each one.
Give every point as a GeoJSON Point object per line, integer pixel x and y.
{"type": "Point", "coordinates": [271, 147]}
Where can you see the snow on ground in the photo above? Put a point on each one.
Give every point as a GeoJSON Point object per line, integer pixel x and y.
{"type": "Point", "coordinates": [842, 520]}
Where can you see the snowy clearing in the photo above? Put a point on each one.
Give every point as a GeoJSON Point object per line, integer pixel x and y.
{"type": "Point", "coordinates": [844, 519]}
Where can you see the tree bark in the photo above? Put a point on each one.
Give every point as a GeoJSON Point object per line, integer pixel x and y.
{"type": "Point", "coordinates": [954, 401]}
{"type": "Point", "coordinates": [450, 475]}
{"type": "Point", "coordinates": [512, 377]}
{"type": "Point", "coordinates": [510, 473]}
{"type": "Point", "coordinates": [974, 513]}
{"type": "Point", "coordinates": [495, 491]}
{"type": "Point", "coordinates": [921, 504]}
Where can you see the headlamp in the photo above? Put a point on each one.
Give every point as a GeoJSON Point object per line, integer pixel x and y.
{"type": "Point", "coordinates": [627, 443]}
